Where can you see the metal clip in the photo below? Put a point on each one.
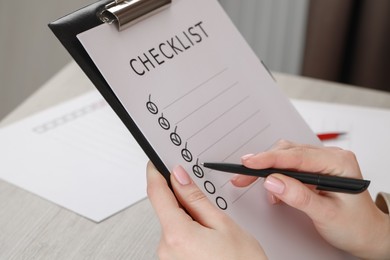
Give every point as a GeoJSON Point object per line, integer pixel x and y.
{"type": "Point", "coordinates": [128, 12]}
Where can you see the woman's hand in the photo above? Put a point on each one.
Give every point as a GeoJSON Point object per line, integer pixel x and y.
{"type": "Point", "coordinates": [350, 222]}
{"type": "Point", "coordinates": [196, 229]}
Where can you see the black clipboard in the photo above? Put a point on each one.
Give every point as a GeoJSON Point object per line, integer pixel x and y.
{"type": "Point", "coordinates": [124, 14]}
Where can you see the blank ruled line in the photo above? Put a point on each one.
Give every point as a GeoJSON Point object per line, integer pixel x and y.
{"type": "Point", "coordinates": [219, 116]}
{"type": "Point", "coordinates": [237, 126]}
{"type": "Point", "coordinates": [235, 151]}
{"type": "Point", "coordinates": [192, 90]}
{"type": "Point", "coordinates": [224, 184]}
{"type": "Point", "coordinates": [271, 145]}
{"type": "Point", "coordinates": [249, 140]}
{"type": "Point", "coordinates": [246, 191]}
{"type": "Point", "coordinates": [208, 102]}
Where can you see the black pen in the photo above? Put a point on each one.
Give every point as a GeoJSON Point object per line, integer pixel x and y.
{"type": "Point", "coordinates": [323, 182]}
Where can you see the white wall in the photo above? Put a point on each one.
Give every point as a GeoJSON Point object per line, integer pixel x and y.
{"type": "Point", "coordinates": [30, 54]}
{"type": "Point", "coordinates": [275, 29]}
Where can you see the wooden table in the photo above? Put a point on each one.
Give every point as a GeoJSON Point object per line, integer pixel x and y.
{"type": "Point", "coordinates": [33, 228]}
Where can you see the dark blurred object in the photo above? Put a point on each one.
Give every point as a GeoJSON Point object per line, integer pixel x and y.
{"type": "Point", "coordinates": [349, 41]}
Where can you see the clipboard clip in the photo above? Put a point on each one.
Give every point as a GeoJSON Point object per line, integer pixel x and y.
{"type": "Point", "coordinates": [128, 12]}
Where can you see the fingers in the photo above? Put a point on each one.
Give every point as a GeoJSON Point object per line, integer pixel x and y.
{"type": "Point", "coordinates": [272, 199]}
{"type": "Point", "coordinates": [187, 193]}
{"type": "Point", "coordinates": [162, 198]}
{"type": "Point", "coordinates": [309, 158]}
{"type": "Point", "coordinates": [194, 200]}
{"type": "Point", "coordinates": [298, 195]}
{"type": "Point", "coordinates": [239, 180]}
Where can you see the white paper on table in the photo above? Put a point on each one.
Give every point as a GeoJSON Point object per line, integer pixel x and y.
{"type": "Point", "coordinates": [78, 155]}
{"type": "Point", "coordinates": [198, 93]}
{"type": "Point", "coordinates": [367, 135]}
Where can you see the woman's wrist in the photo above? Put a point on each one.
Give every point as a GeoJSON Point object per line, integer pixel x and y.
{"type": "Point", "coordinates": [383, 203]}
{"type": "Point", "coordinates": [384, 243]}
{"type": "Point", "coordinates": [377, 245]}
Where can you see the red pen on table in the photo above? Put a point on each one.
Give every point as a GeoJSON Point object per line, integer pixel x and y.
{"type": "Point", "coordinates": [330, 135]}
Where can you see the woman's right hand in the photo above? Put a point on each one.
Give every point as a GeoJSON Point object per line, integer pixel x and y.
{"type": "Point", "coordinates": [351, 222]}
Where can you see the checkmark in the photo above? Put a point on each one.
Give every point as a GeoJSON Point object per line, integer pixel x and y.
{"type": "Point", "coordinates": [163, 122]}
{"type": "Point", "coordinates": [186, 154]}
{"type": "Point", "coordinates": [175, 138]}
{"type": "Point", "coordinates": [152, 107]}
{"type": "Point", "coordinates": [198, 171]}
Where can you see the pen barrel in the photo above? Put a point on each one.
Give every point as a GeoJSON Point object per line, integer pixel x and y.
{"type": "Point", "coordinates": [323, 182]}
{"type": "Point", "coordinates": [336, 183]}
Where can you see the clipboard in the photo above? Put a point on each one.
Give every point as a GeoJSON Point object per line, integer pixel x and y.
{"type": "Point", "coordinates": [218, 118]}
{"type": "Point", "coordinates": [123, 14]}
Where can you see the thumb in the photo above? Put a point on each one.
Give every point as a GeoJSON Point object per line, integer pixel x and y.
{"type": "Point", "coordinates": [194, 200]}
{"type": "Point", "coordinates": [297, 195]}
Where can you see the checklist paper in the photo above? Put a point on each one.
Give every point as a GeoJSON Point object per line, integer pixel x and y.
{"type": "Point", "coordinates": [198, 93]}
{"type": "Point", "coordinates": [78, 155]}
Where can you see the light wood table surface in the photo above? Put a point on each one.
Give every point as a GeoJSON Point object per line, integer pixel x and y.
{"type": "Point", "coordinates": [33, 228]}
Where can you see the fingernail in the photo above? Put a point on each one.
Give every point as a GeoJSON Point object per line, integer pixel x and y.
{"type": "Point", "coordinates": [247, 156]}
{"type": "Point", "coordinates": [181, 175]}
{"type": "Point", "coordinates": [235, 177]}
{"type": "Point", "coordinates": [272, 199]}
{"type": "Point", "coordinates": [274, 185]}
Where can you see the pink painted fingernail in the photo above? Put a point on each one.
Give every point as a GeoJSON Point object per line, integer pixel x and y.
{"type": "Point", "coordinates": [272, 199]}
{"type": "Point", "coordinates": [274, 185]}
{"type": "Point", "coordinates": [235, 177]}
{"type": "Point", "coordinates": [247, 156]}
{"type": "Point", "coordinates": [181, 175]}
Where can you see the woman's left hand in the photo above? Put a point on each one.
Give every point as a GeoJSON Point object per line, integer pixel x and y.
{"type": "Point", "coordinates": [196, 229]}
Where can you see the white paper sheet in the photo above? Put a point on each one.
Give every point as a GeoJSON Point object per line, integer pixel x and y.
{"type": "Point", "coordinates": [198, 93]}
{"type": "Point", "coordinates": [367, 135]}
{"type": "Point", "coordinates": [77, 154]}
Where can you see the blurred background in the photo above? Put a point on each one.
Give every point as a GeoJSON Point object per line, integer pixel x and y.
{"type": "Point", "coordinates": [346, 41]}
